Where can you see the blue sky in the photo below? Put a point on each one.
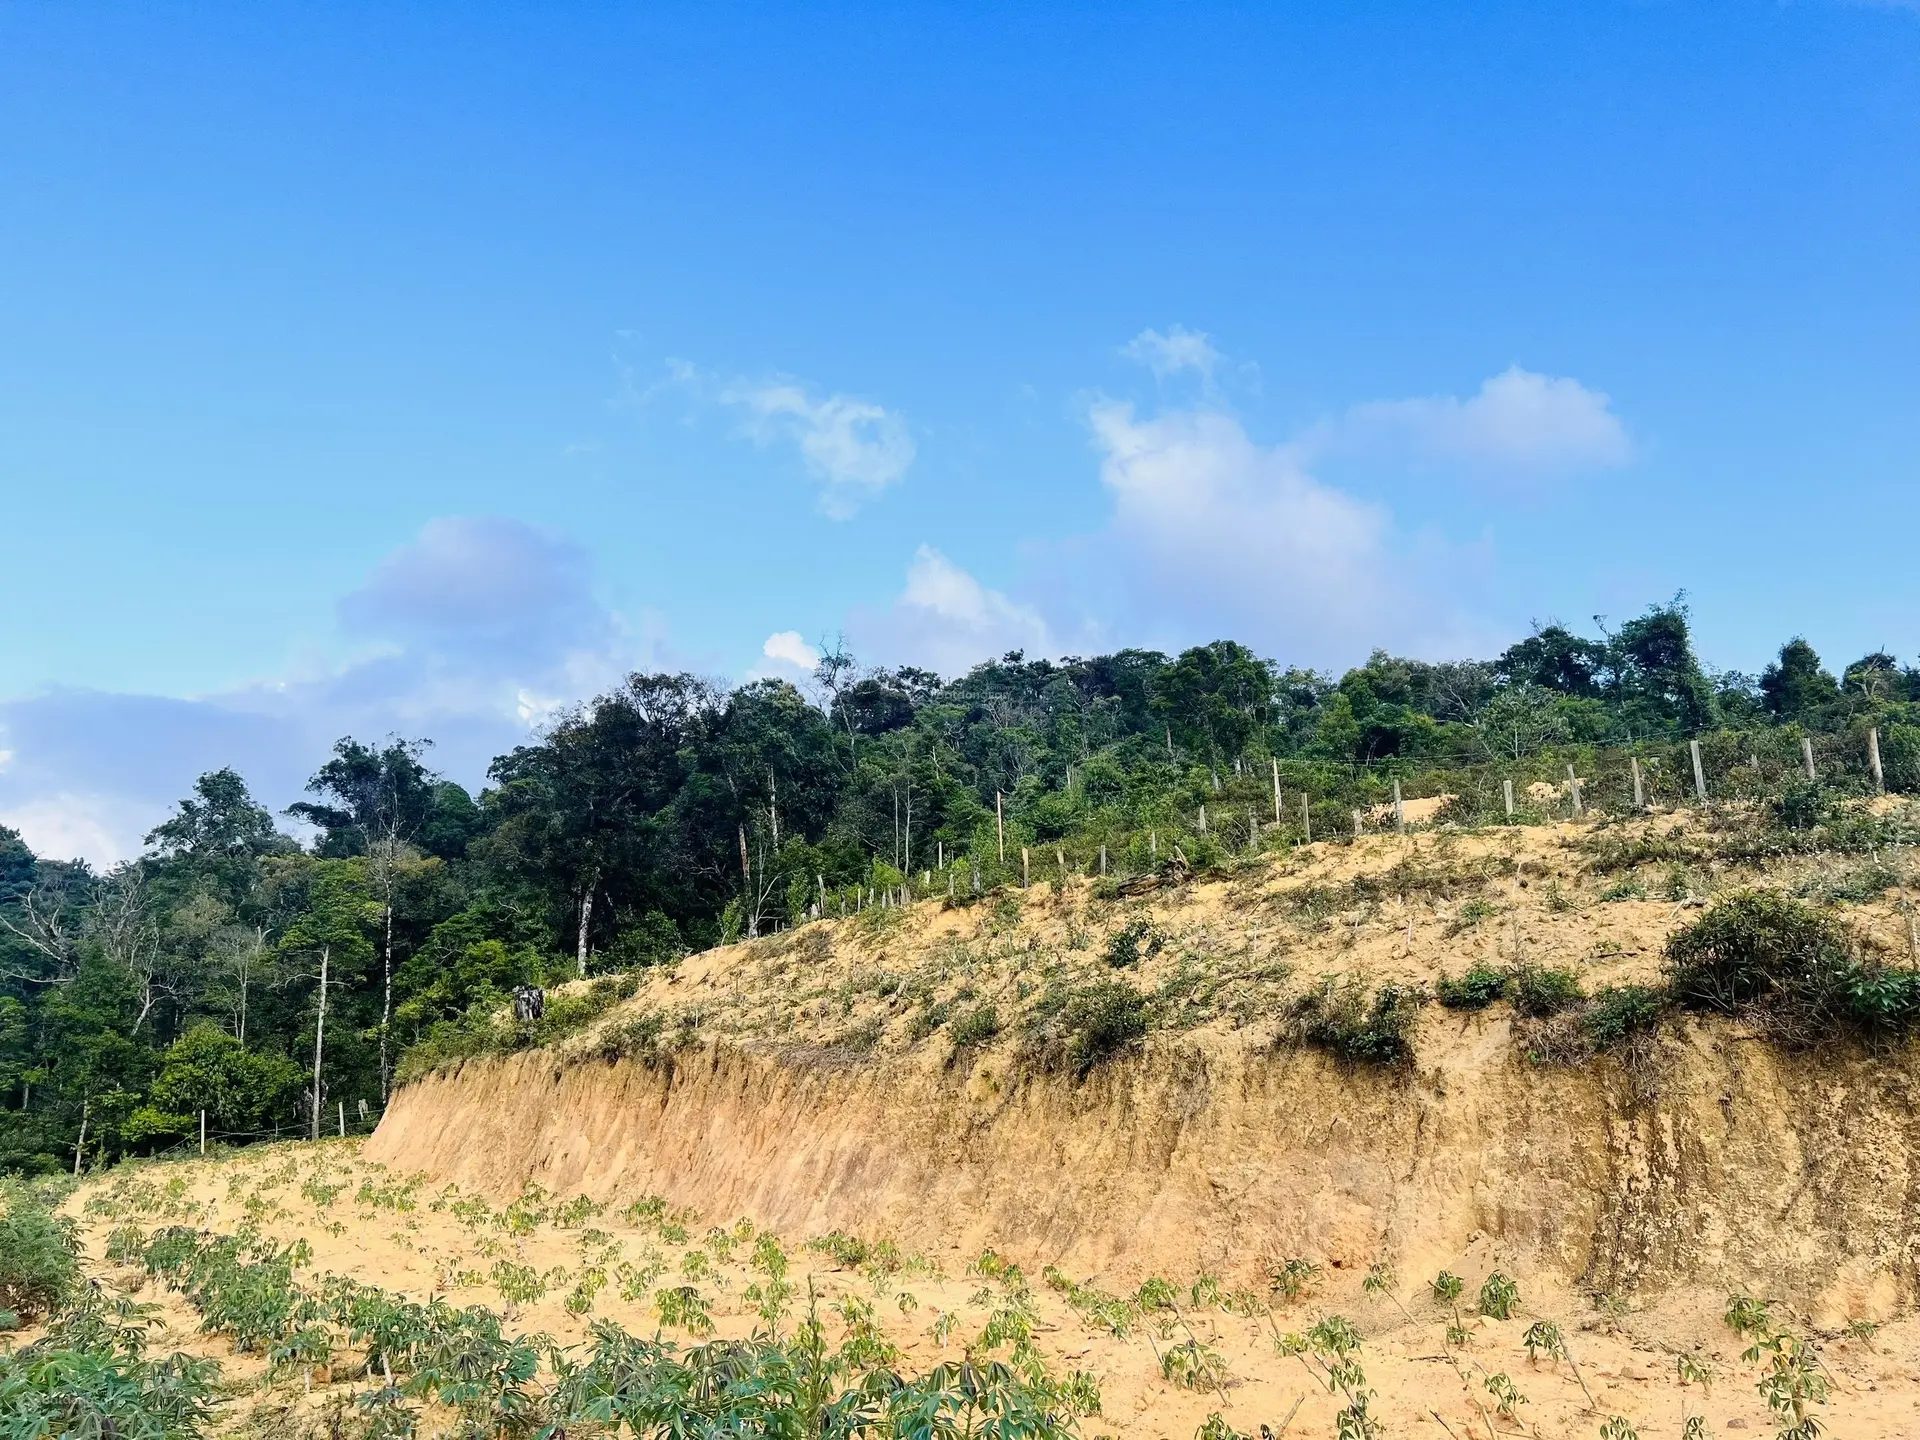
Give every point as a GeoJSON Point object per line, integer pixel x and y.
{"type": "Point", "coordinates": [424, 367]}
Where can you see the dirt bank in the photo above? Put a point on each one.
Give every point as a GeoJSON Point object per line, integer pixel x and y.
{"type": "Point", "coordinates": [1719, 1161]}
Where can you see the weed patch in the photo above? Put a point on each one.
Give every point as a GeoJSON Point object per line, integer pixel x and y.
{"type": "Point", "coordinates": [1475, 990]}
{"type": "Point", "coordinates": [1373, 1027]}
{"type": "Point", "coordinates": [1075, 1028]}
{"type": "Point", "coordinates": [1777, 959]}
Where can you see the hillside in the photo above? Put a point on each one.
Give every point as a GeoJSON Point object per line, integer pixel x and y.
{"type": "Point", "coordinates": [1177, 1132]}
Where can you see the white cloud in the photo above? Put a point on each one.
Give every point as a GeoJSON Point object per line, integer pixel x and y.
{"type": "Point", "coordinates": [1519, 423]}
{"type": "Point", "coordinates": [787, 648]}
{"type": "Point", "coordinates": [99, 828]}
{"type": "Point", "coordinates": [853, 447]}
{"type": "Point", "coordinates": [1213, 533]}
{"type": "Point", "coordinates": [947, 620]}
{"type": "Point", "coordinates": [1217, 534]}
{"type": "Point", "coordinates": [477, 631]}
{"type": "Point", "coordinates": [1178, 349]}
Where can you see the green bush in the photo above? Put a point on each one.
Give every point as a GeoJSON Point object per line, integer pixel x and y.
{"type": "Point", "coordinates": [1802, 804]}
{"type": "Point", "coordinates": [1133, 942]}
{"type": "Point", "coordinates": [1753, 946]}
{"type": "Point", "coordinates": [976, 1026]}
{"type": "Point", "coordinates": [1078, 1028]}
{"type": "Point", "coordinates": [1790, 966]}
{"type": "Point", "coordinates": [207, 1069]}
{"type": "Point", "coordinates": [1367, 1027]}
{"type": "Point", "coordinates": [39, 1265]}
{"type": "Point", "coordinates": [1621, 1011]}
{"type": "Point", "coordinates": [1475, 990]}
{"type": "Point", "coordinates": [1539, 991]}
{"type": "Point", "coordinates": [89, 1376]}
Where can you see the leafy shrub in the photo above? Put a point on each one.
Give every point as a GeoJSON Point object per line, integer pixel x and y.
{"type": "Point", "coordinates": [1620, 1011]}
{"type": "Point", "coordinates": [39, 1268]}
{"type": "Point", "coordinates": [89, 1376]}
{"type": "Point", "coordinates": [1081, 1027]}
{"type": "Point", "coordinates": [638, 1038]}
{"type": "Point", "coordinates": [1752, 946]}
{"type": "Point", "coordinates": [1475, 990]}
{"type": "Point", "coordinates": [1133, 942]}
{"type": "Point", "coordinates": [1544, 1337]}
{"type": "Point", "coordinates": [1498, 1296]}
{"type": "Point", "coordinates": [1193, 1366]}
{"type": "Point", "coordinates": [682, 1307]}
{"type": "Point", "coordinates": [1538, 991]}
{"type": "Point", "coordinates": [1792, 967]}
{"type": "Point", "coordinates": [246, 1292]}
{"type": "Point", "coordinates": [975, 1027]}
{"type": "Point", "coordinates": [1293, 1279]}
{"type": "Point", "coordinates": [1367, 1027]}
{"type": "Point", "coordinates": [1801, 804]}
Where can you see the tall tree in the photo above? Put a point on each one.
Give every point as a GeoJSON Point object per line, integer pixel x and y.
{"type": "Point", "coordinates": [329, 945]}
{"type": "Point", "coordinates": [375, 802]}
{"type": "Point", "coordinates": [1795, 687]}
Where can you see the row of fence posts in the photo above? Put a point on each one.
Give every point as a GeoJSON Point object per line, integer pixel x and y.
{"type": "Point", "coordinates": [361, 1105]}
{"type": "Point", "coordinates": [1574, 797]}
{"type": "Point", "coordinates": [1699, 774]}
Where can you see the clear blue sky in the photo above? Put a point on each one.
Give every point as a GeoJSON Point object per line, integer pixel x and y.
{"type": "Point", "coordinates": [420, 367]}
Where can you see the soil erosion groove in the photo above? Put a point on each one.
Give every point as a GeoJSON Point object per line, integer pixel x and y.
{"type": "Point", "coordinates": [1721, 1160]}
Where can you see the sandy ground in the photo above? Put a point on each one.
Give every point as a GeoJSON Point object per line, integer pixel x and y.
{"type": "Point", "coordinates": [1229, 953]}
{"type": "Point", "coordinates": [404, 1233]}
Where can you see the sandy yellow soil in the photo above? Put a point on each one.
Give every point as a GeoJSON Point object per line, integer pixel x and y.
{"type": "Point", "coordinates": [405, 1233]}
{"type": "Point", "coordinates": [809, 1082]}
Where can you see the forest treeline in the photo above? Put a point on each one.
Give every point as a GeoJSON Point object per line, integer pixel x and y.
{"type": "Point", "coordinates": [274, 985]}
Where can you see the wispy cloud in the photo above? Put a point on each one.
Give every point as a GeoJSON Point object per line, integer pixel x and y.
{"type": "Point", "coordinates": [946, 620]}
{"type": "Point", "coordinates": [852, 448]}
{"type": "Point", "coordinates": [1519, 425]}
{"type": "Point", "coordinates": [1175, 350]}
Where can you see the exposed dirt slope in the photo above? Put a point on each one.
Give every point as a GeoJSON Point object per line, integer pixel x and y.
{"type": "Point", "coordinates": [1742, 1169]}
{"type": "Point", "coordinates": [801, 1083]}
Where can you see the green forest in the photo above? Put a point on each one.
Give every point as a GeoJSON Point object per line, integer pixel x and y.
{"type": "Point", "coordinates": [275, 986]}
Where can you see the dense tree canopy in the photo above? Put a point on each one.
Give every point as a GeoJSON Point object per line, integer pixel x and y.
{"type": "Point", "coordinates": [272, 984]}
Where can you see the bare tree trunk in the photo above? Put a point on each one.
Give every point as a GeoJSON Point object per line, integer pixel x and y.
{"type": "Point", "coordinates": [586, 919]}
{"type": "Point", "coordinates": [773, 809]}
{"type": "Point", "coordinates": [747, 895]}
{"type": "Point", "coordinates": [259, 946]}
{"type": "Point", "coordinates": [320, 1040]}
{"type": "Point", "coordinates": [386, 999]}
{"type": "Point", "coordinates": [80, 1145]}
